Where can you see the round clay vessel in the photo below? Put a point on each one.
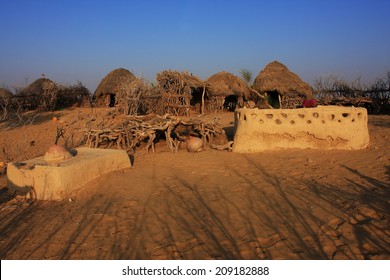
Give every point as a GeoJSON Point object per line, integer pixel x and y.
{"type": "Point", "coordinates": [194, 144]}
{"type": "Point", "coordinates": [57, 153]}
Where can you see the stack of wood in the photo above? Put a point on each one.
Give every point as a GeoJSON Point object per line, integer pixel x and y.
{"type": "Point", "coordinates": [181, 91]}
{"type": "Point", "coordinates": [149, 129]}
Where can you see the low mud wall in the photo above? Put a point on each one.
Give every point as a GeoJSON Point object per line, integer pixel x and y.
{"type": "Point", "coordinates": [323, 127]}
{"type": "Point", "coordinates": [38, 179]}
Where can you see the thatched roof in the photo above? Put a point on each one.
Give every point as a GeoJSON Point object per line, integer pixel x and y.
{"type": "Point", "coordinates": [37, 87]}
{"type": "Point", "coordinates": [5, 93]}
{"type": "Point", "coordinates": [118, 82]}
{"type": "Point", "coordinates": [225, 84]}
{"type": "Point", "coordinates": [277, 77]}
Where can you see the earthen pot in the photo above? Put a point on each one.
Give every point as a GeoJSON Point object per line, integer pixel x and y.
{"type": "Point", "coordinates": [57, 153]}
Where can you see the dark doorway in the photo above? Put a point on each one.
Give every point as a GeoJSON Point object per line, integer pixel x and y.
{"type": "Point", "coordinates": [112, 100]}
{"type": "Point", "coordinates": [273, 99]}
{"type": "Point", "coordinates": [196, 99]}
{"type": "Point", "coordinates": [230, 102]}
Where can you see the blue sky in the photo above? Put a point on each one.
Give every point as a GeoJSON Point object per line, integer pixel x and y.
{"type": "Point", "coordinates": [72, 41]}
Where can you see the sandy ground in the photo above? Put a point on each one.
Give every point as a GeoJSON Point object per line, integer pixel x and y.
{"type": "Point", "coordinates": [290, 204]}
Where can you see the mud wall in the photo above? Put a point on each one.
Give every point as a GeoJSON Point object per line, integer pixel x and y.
{"type": "Point", "coordinates": [323, 127]}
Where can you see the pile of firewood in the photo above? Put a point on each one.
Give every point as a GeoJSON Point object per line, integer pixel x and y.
{"type": "Point", "coordinates": [136, 130]}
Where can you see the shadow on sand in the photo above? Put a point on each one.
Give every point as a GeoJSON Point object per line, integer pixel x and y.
{"type": "Point", "coordinates": [271, 218]}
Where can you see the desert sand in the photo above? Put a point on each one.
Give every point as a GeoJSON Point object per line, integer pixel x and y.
{"type": "Point", "coordinates": [284, 204]}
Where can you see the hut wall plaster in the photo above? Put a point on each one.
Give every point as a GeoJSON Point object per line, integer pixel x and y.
{"type": "Point", "coordinates": [323, 127]}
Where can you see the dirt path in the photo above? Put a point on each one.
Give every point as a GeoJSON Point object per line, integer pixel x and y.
{"type": "Point", "coordinates": [293, 204]}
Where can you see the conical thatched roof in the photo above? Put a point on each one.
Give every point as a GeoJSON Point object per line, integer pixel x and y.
{"type": "Point", "coordinates": [38, 86]}
{"type": "Point", "coordinates": [225, 84]}
{"type": "Point", "coordinates": [277, 77]}
{"type": "Point", "coordinates": [5, 93]}
{"type": "Point", "coordinates": [118, 82]}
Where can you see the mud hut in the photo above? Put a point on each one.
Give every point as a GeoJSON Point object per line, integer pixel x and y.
{"type": "Point", "coordinates": [227, 91]}
{"type": "Point", "coordinates": [181, 92]}
{"type": "Point", "coordinates": [114, 86]}
{"type": "Point", "coordinates": [40, 94]}
{"type": "Point", "coordinates": [284, 89]}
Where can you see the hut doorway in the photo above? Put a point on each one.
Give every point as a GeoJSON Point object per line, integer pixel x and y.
{"type": "Point", "coordinates": [111, 100]}
{"type": "Point", "coordinates": [230, 102]}
{"type": "Point", "coordinates": [196, 100]}
{"type": "Point", "coordinates": [274, 99]}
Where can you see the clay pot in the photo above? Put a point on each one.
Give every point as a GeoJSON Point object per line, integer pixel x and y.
{"type": "Point", "coordinates": [57, 153]}
{"type": "Point", "coordinates": [194, 144]}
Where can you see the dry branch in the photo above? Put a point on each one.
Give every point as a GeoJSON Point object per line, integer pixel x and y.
{"type": "Point", "coordinates": [149, 129]}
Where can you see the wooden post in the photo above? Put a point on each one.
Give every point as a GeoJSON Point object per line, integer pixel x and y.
{"type": "Point", "coordinates": [280, 102]}
{"type": "Point", "coordinates": [202, 107]}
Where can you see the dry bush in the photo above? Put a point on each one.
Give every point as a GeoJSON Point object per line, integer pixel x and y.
{"type": "Point", "coordinates": [5, 108]}
{"type": "Point", "coordinates": [74, 95]}
{"type": "Point", "coordinates": [134, 99]}
{"type": "Point", "coordinates": [335, 91]}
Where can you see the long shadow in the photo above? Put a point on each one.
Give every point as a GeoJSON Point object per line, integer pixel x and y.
{"type": "Point", "coordinates": [299, 223]}
{"type": "Point", "coordinates": [270, 218]}
{"type": "Point", "coordinates": [304, 225]}
{"type": "Point", "coordinates": [4, 195]}
{"type": "Point", "coordinates": [54, 230]}
{"type": "Point", "coordinates": [229, 131]}
{"type": "Point", "coordinates": [188, 224]}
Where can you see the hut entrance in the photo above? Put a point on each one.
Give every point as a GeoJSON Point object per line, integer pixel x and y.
{"type": "Point", "coordinates": [111, 100]}
{"type": "Point", "coordinates": [274, 99]}
{"type": "Point", "coordinates": [196, 99]}
{"type": "Point", "coordinates": [230, 102]}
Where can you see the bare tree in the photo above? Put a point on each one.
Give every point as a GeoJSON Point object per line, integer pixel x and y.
{"type": "Point", "coordinates": [246, 75]}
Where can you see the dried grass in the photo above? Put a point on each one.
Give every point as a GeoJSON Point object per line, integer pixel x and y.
{"type": "Point", "coordinates": [277, 77]}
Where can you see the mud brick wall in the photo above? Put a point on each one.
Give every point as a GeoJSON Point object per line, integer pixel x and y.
{"type": "Point", "coordinates": [323, 127]}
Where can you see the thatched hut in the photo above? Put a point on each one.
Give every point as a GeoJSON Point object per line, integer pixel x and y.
{"type": "Point", "coordinates": [114, 85]}
{"type": "Point", "coordinates": [227, 91]}
{"type": "Point", "coordinates": [123, 90]}
{"type": "Point", "coordinates": [40, 94]}
{"type": "Point", "coordinates": [181, 92]}
{"type": "Point", "coordinates": [283, 88]}
{"type": "Point", "coordinates": [38, 87]}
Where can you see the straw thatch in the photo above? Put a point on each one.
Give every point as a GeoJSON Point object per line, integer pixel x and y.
{"type": "Point", "coordinates": [38, 87]}
{"type": "Point", "coordinates": [40, 94]}
{"type": "Point", "coordinates": [181, 91]}
{"type": "Point", "coordinates": [276, 77]}
{"type": "Point", "coordinates": [227, 91]}
{"type": "Point", "coordinates": [117, 82]}
{"type": "Point", "coordinates": [225, 84]}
